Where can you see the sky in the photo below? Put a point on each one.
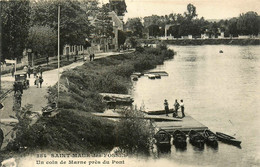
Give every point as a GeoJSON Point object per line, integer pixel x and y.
{"type": "Point", "coordinates": [209, 9]}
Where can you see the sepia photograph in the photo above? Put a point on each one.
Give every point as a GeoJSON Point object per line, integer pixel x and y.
{"type": "Point", "coordinates": [129, 83]}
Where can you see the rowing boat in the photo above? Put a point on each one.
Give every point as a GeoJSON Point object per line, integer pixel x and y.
{"type": "Point", "coordinates": [227, 139]}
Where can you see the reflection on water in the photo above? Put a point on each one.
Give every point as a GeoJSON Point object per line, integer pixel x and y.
{"type": "Point", "coordinates": [222, 91]}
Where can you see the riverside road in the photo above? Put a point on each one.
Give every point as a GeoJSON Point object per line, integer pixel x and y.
{"type": "Point", "coordinates": [34, 95]}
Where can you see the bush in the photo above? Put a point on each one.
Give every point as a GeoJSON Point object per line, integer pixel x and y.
{"type": "Point", "coordinates": [69, 131]}
{"type": "Point", "coordinates": [134, 134]}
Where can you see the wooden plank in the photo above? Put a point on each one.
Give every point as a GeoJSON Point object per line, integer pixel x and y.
{"type": "Point", "coordinates": [188, 123]}
{"type": "Point", "coordinates": [153, 117]}
{"type": "Point", "coordinates": [161, 73]}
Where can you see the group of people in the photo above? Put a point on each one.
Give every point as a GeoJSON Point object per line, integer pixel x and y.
{"type": "Point", "coordinates": [91, 57]}
{"type": "Point", "coordinates": [35, 70]}
{"type": "Point", "coordinates": [176, 107]}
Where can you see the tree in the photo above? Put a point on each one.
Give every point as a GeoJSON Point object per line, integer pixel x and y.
{"type": "Point", "coordinates": [191, 12]}
{"type": "Point", "coordinates": [15, 27]}
{"type": "Point", "coordinates": [154, 30]}
{"type": "Point", "coordinates": [135, 25]}
{"type": "Point", "coordinates": [74, 24]}
{"type": "Point", "coordinates": [232, 27]}
{"type": "Point", "coordinates": [134, 134]}
{"type": "Point", "coordinates": [248, 24]}
{"type": "Point", "coordinates": [43, 40]}
{"type": "Point", "coordinates": [121, 38]}
{"type": "Point", "coordinates": [118, 6]}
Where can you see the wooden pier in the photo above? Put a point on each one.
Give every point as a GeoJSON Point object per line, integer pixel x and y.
{"type": "Point", "coordinates": [111, 114]}
{"type": "Point", "coordinates": [169, 124]}
{"type": "Point", "coordinates": [188, 123]}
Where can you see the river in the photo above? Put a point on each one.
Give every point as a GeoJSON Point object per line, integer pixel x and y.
{"type": "Point", "coordinates": [220, 90]}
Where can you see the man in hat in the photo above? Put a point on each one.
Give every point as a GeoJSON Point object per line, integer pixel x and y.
{"type": "Point", "coordinates": [166, 107]}
{"type": "Point", "coordinates": [182, 108]}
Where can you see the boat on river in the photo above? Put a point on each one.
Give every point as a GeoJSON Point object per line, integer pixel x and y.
{"type": "Point", "coordinates": [117, 98]}
{"type": "Point", "coordinates": [163, 140]}
{"type": "Point", "coordinates": [210, 138]}
{"type": "Point", "coordinates": [151, 76]}
{"type": "Point", "coordinates": [196, 139]}
{"type": "Point", "coordinates": [228, 139]}
{"type": "Point", "coordinates": [158, 112]}
{"type": "Point", "coordinates": [179, 139]}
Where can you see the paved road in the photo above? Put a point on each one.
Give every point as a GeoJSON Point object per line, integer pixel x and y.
{"type": "Point", "coordinates": [34, 95]}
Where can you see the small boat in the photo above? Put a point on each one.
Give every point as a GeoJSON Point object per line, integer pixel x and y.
{"type": "Point", "coordinates": [227, 139]}
{"type": "Point", "coordinates": [163, 140]}
{"type": "Point", "coordinates": [179, 139]}
{"type": "Point", "coordinates": [221, 51]}
{"type": "Point", "coordinates": [158, 112]}
{"type": "Point", "coordinates": [151, 76]}
{"type": "Point", "coordinates": [138, 74]}
{"type": "Point", "coordinates": [196, 139]}
{"type": "Point", "coordinates": [210, 138]}
{"type": "Point", "coordinates": [134, 77]}
{"type": "Point", "coordinates": [157, 76]}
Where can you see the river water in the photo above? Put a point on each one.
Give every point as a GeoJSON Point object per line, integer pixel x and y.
{"type": "Point", "coordinates": [220, 90]}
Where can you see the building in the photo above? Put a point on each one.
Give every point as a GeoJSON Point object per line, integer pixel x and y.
{"type": "Point", "coordinates": [117, 25]}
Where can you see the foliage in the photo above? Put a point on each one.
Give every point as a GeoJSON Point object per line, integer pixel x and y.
{"type": "Point", "coordinates": [68, 131]}
{"type": "Point", "coordinates": [74, 25]}
{"type": "Point", "coordinates": [121, 37]}
{"type": "Point", "coordinates": [24, 117]}
{"type": "Point", "coordinates": [135, 25]}
{"type": "Point", "coordinates": [134, 134]}
{"type": "Point", "coordinates": [188, 24]}
{"type": "Point", "coordinates": [42, 40]}
{"type": "Point", "coordinates": [15, 26]}
{"type": "Point", "coordinates": [119, 6]}
{"type": "Point", "coordinates": [248, 24]}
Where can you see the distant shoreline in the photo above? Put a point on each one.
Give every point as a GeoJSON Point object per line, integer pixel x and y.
{"type": "Point", "coordinates": [224, 41]}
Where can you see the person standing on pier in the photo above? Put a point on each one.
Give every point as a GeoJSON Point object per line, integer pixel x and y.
{"type": "Point", "coordinates": [182, 108]}
{"type": "Point", "coordinates": [176, 107]}
{"type": "Point", "coordinates": [166, 107]}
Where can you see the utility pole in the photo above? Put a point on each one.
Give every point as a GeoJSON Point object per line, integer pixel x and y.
{"type": "Point", "coordinates": [58, 55]}
{"type": "Point", "coordinates": [1, 36]}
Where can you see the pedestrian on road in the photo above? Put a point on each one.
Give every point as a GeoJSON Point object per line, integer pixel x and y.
{"type": "Point", "coordinates": [18, 98]}
{"type": "Point", "coordinates": [15, 85]}
{"type": "Point", "coordinates": [90, 57]}
{"type": "Point", "coordinates": [182, 108]}
{"type": "Point", "coordinates": [176, 107]}
{"type": "Point", "coordinates": [41, 81]}
{"type": "Point", "coordinates": [93, 57]}
{"type": "Point", "coordinates": [40, 70]}
{"type": "Point", "coordinates": [34, 71]}
{"type": "Point", "coordinates": [29, 71]}
{"type": "Point", "coordinates": [37, 81]}
{"type": "Point", "coordinates": [13, 69]}
{"type": "Point", "coordinates": [166, 107]}
{"type": "Point", "coordinates": [47, 60]}
{"type": "Point", "coordinates": [25, 69]}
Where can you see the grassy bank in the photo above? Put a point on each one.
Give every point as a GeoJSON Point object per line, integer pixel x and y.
{"type": "Point", "coordinates": [74, 128]}
{"type": "Point", "coordinates": [207, 41]}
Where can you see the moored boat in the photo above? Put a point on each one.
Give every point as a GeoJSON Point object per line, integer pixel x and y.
{"type": "Point", "coordinates": [137, 74]}
{"type": "Point", "coordinates": [196, 139]}
{"type": "Point", "coordinates": [157, 76]}
{"type": "Point", "coordinates": [179, 139]}
{"type": "Point", "coordinates": [163, 140]}
{"type": "Point", "coordinates": [227, 139]}
{"type": "Point", "coordinates": [134, 77]}
{"type": "Point", "coordinates": [210, 138]}
{"type": "Point", "coordinates": [151, 76]}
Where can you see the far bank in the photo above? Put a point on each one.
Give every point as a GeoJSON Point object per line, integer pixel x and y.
{"type": "Point", "coordinates": [231, 41]}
